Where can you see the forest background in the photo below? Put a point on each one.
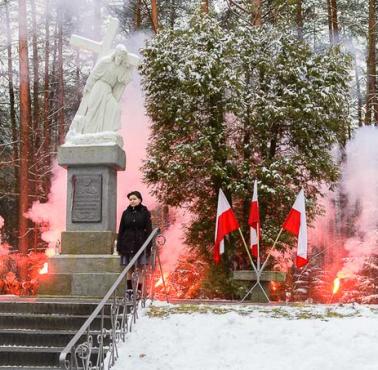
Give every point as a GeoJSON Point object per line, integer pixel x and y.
{"type": "Point", "coordinates": [227, 63]}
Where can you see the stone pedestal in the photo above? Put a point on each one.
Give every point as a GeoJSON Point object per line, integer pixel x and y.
{"type": "Point", "coordinates": [86, 266]}
{"type": "Point", "coordinates": [91, 196]}
{"type": "Point", "coordinates": [80, 275]}
{"type": "Point", "coordinates": [91, 185]}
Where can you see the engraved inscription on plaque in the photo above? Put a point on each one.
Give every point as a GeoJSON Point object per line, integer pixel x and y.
{"type": "Point", "coordinates": [86, 198]}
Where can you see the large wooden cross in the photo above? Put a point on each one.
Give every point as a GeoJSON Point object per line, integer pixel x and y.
{"type": "Point", "coordinates": [99, 48]}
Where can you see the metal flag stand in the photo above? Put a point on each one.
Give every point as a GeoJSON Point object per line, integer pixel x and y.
{"type": "Point", "coordinates": [259, 269]}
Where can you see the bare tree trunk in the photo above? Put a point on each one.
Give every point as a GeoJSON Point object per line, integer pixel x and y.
{"type": "Point", "coordinates": [272, 13]}
{"type": "Point", "coordinates": [330, 30]}
{"type": "Point", "coordinates": [299, 19]}
{"type": "Point", "coordinates": [205, 6]}
{"type": "Point", "coordinates": [172, 15]}
{"type": "Point", "coordinates": [61, 124]}
{"type": "Point", "coordinates": [46, 104]}
{"type": "Point", "coordinates": [154, 16]}
{"type": "Point", "coordinates": [25, 123]}
{"type": "Point", "coordinates": [247, 148]}
{"type": "Point", "coordinates": [359, 96]}
{"type": "Point", "coordinates": [36, 133]}
{"type": "Point", "coordinates": [12, 98]}
{"type": "Point", "coordinates": [52, 94]}
{"type": "Point", "coordinates": [256, 13]}
{"type": "Point", "coordinates": [371, 99]}
{"type": "Point", "coordinates": [335, 24]}
{"type": "Point", "coordinates": [35, 153]}
{"type": "Point", "coordinates": [138, 14]}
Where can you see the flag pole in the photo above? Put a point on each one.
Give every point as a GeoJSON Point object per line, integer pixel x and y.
{"type": "Point", "coordinates": [258, 246]}
{"type": "Point", "coordinates": [258, 273]}
{"type": "Point", "coordinates": [274, 244]}
{"type": "Point", "coordinates": [249, 254]}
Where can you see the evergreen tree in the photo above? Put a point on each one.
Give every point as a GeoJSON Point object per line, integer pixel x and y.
{"type": "Point", "coordinates": [229, 106]}
{"type": "Point", "coordinates": [362, 287]}
{"type": "Point", "coordinates": [301, 285]}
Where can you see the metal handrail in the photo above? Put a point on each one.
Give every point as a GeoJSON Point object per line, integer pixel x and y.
{"type": "Point", "coordinates": [85, 327]}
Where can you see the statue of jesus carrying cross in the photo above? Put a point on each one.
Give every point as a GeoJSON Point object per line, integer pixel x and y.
{"type": "Point", "coordinates": [99, 110]}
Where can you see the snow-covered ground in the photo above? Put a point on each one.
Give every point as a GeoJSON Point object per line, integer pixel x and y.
{"type": "Point", "coordinates": [257, 337]}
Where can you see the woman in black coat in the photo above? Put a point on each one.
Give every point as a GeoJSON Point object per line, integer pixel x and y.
{"type": "Point", "coordinates": [134, 229]}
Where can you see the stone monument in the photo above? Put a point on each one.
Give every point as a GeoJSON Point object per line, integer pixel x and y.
{"type": "Point", "coordinates": [92, 154]}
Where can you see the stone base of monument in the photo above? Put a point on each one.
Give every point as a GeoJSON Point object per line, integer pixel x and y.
{"type": "Point", "coordinates": [248, 278]}
{"type": "Point", "coordinates": [88, 242]}
{"type": "Point", "coordinates": [86, 267]}
{"type": "Point", "coordinates": [80, 275]}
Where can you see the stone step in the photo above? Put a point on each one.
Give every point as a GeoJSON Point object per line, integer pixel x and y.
{"type": "Point", "coordinates": [34, 331]}
{"type": "Point", "coordinates": [41, 338]}
{"type": "Point", "coordinates": [48, 322]}
{"type": "Point", "coordinates": [71, 263]}
{"type": "Point", "coordinates": [29, 367]}
{"type": "Point", "coordinates": [32, 356]}
{"type": "Point", "coordinates": [68, 308]}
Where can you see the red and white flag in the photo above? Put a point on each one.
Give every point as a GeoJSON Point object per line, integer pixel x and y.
{"type": "Point", "coordinates": [226, 223]}
{"type": "Point", "coordinates": [296, 224]}
{"type": "Point", "coordinates": [254, 222]}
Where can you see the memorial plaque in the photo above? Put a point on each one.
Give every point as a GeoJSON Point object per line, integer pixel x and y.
{"type": "Point", "coordinates": [86, 198]}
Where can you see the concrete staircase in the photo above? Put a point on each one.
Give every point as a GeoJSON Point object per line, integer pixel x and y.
{"type": "Point", "coordinates": [33, 332]}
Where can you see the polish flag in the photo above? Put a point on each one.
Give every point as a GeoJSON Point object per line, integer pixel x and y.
{"type": "Point", "coordinates": [296, 224]}
{"type": "Point", "coordinates": [254, 221]}
{"type": "Point", "coordinates": [226, 223]}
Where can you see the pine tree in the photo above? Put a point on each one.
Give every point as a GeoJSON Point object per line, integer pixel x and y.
{"type": "Point", "coordinates": [212, 94]}
{"type": "Point", "coordinates": [369, 275]}
{"type": "Point", "coordinates": [301, 285]}
{"type": "Point", "coordinates": [362, 287]}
